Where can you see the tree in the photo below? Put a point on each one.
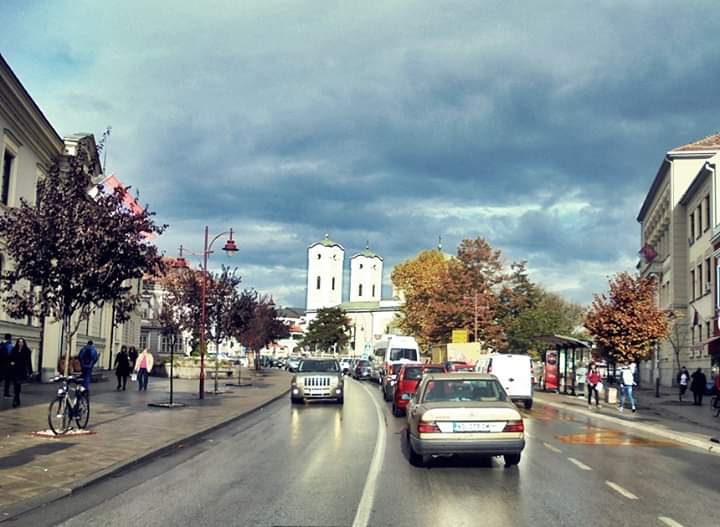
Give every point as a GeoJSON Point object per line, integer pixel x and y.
{"type": "Point", "coordinates": [73, 252]}
{"type": "Point", "coordinates": [678, 334]}
{"type": "Point", "coordinates": [625, 321]}
{"type": "Point", "coordinates": [262, 326]}
{"type": "Point", "coordinates": [329, 331]}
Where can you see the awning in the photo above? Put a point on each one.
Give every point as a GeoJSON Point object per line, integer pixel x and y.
{"type": "Point", "coordinates": [713, 345]}
{"type": "Point", "coordinates": [562, 341]}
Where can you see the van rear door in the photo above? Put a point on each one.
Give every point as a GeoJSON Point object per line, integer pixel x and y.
{"type": "Point", "coordinates": [514, 373]}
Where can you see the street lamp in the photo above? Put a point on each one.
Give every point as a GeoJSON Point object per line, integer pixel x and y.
{"type": "Point", "coordinates": [230, 249]}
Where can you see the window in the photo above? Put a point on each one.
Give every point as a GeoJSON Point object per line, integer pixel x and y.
{"type": "Point", "coordinates": [333, 283]}
{"type": "Point", "coordinates": [692, 284]}
{"type": "Point", "coordinates": [8, 162]}
{"type": "Point", "coordinates": [319, 256]}
{"type": "Point", "coordinates": [692, 335]}
{"type": "Point", "coordinates": [707, 330]}
{"type": "Point", "coordinates": [708, 275]}
{"type": "Point", "coordinates": [143, 341]}
{"type": "Point", "coordinates": [373, 290]}
{"type": "Point", "coordinates": [360, 290]}
{"type": "Point", "coordinates": [360, 266]}
{"type": "Point", "coordinates": [317, 283]}
{"type": "Point", "coordinates": [692, 227]}
{"type": "Point", "coordinates": [700, 333]}
{"type": "Point", "coordinates": [699, 275]}
{"type": "Point", "coordinates": [699, 221]}
{"type": "Point", "coordinates": [707, 212]}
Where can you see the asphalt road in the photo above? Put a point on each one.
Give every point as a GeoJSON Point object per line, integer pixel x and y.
{"type": "Point", "coordinates": [326, 465]}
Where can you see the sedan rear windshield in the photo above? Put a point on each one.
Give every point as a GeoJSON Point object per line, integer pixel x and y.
{"type": "Point", "coordinates": [414, 373]}
{"type": "Point", "coordinates": [363, 363]}
{"type": "Point", "coordinates": [319, 365]}
{"type": "Point", "coordinates": [464, 390]}
{"type": "Point", "coordinates": [403, 353]}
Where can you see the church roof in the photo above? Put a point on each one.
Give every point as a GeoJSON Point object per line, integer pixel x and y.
{"type": "Point", "coordinates": [367, 253]}
{"type": "Point", "coordinates": [327, 242]}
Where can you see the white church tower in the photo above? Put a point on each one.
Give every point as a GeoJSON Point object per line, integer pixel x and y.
{"type": "Point", "coordinates": [366, 271]}
{"type": "Point", "coordinates": [324, 274]}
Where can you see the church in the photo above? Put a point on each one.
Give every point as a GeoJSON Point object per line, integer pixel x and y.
{"type": "Point", "coordinates": [371, 315]}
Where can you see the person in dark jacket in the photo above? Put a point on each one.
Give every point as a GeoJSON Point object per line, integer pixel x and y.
{"type": "Point", "coordinates": [5, 349]}
{"type": "Point", "coordinates": [133, 354]}
{"type": "Point", "coordinates": [122, 367]}
{"type": "Point", "coordinates": [88, 357]}
{"type": "Point", "coordinates": [19, 368]}
{"type": "Point", "coordinates": [697, 386]}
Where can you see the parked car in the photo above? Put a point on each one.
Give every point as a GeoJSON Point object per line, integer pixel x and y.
{"type": "Point", "coordinates": [463, 413]}
{"type": "Point", "coordinates": [387, 385]}
{"type": "Point", "coordinates": [515, 373]}
{"type": "Point", "coordinates": [317, 379]}
{"type": "Point", "coordinates": [408, 379]}
{"type": "Point", "coordinates": [345, 365]}
{"type": "Point", "coordinates": [361, 370]}
{"type": "Point", "coordinates": [293, 363]}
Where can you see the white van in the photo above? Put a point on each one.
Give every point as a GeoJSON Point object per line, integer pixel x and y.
{"type": "Point", "coordinates": [391, 351]}
{"type": "Point", "coordinates": [515, 373]}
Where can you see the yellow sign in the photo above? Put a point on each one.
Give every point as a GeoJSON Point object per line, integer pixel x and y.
{"type": "Point", "coordinates": [459, 336]}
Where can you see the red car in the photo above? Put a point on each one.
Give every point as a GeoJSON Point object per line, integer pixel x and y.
{"type": "Point", "coordinates": [407, 382]}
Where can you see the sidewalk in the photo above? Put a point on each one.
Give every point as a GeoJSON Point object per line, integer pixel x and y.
{"type": "Point", "coordinates": [36, 470]}
{"type": "Point", "coordinates": [665, 416]}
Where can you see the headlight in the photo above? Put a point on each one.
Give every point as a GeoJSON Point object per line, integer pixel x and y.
{"type": "Point", "coordinates": [60, 392]}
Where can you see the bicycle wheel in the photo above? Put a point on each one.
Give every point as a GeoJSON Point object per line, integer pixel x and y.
{"type": "Point", "coordinates": [59, 416]}
{"type": "Point", "coordinates": [82, 410]}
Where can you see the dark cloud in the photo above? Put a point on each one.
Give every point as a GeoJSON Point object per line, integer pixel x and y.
{"type": "Point", "coordinates": [540, 129]}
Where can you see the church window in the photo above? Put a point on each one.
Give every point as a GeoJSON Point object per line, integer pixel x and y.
{"type": "Point", "coordinates": [361, 266]}
{"type": "Point", "coordinates": [373, 291]}
{"type": "Point", "coordinates": [333, 283]}
{"type": "Point", "coordinates": [317, 286]}
{"type": "Point", "coordinates": [360, 290]}
{"type": "Point", "coordinates": [319, 256]}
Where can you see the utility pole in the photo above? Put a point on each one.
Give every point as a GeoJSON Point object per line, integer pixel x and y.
{"type": "Point", "coordinates": [475, 294]}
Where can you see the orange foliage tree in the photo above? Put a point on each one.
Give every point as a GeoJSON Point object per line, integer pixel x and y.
{"type": "Point", "coordinates": [625, 321]}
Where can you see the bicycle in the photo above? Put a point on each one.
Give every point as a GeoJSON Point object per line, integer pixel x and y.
{"type": "Point", "coordinates": [71, 403]}
{"type": "Point", "coordinates": [715, 405]}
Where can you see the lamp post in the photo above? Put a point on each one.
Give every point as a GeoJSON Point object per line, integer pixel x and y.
{"type": "Point", "coordinates": [230, 248]}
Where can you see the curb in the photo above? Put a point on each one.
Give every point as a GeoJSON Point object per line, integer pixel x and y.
{"type": "Point", "coordinates": [23, 507]}
{"type": "Point", "coordinates": [705, 445]}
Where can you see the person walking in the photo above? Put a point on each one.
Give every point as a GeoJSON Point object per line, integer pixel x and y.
{"type": "Point", "coordinates": [5, 349]}
{"type": "Point", "coordinates": [697, 386]}
{"type": "Point", "coordinates": [19, 368]}
{"type": "Point", "coordinates": [627, 381]}
{"type": "Point", "coordinates": [133, 354]}
{"type": "Point", "coordinates": [122, 367]}
{"type": "Point", "coordinates": [683, 379]}
{"type": "Point", "coordinates": [143, 366]}
{"type": "Point", "coordinates": [593, 380]}
{"type": "Point", "coordinates": [88, 357]}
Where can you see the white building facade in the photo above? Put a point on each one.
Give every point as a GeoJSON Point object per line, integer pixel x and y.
{"type": "Point", "coordinates": [366, 271]}
{"type": "Point", "coordinates": [325, 274]}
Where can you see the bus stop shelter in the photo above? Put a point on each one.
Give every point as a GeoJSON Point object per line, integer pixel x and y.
{"type": "Point", "coordinates": [561, 361]}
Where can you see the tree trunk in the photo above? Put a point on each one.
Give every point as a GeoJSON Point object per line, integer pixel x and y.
{"type": "Point", "coordinates": [68, 343]}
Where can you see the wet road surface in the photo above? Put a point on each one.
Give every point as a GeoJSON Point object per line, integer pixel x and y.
{"type": "Point", "coordinates": [313, 465]}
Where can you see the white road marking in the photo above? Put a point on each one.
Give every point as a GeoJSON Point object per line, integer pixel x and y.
{"type": "Point", "coordinates": [529, 436]}
{"type": "Point", "coordinates": [580, 464]}
{"type": "Point", "coordinates": [617, 488]}
{"type": "Point", "coordinates": [362, 516]}
{"type": "Point", "coordinates": [669, 521]}
{"type": "Point", "coordinates": [554, 449]}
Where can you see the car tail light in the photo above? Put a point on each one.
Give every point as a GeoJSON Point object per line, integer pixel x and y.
{"type": "Point", "coordinates": [428, 428]}
{"type": "Point", "coordinates": [514, 426]}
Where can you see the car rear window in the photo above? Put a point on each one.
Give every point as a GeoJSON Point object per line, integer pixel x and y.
{"type": "Point", "coordinates": [482, 390]}
{"type": "Point", "coordinates": [362, 363]}
{"type": "Point", "coordinates": [414, 373]}
{"type": "Point", "coordinates": [403, 353]}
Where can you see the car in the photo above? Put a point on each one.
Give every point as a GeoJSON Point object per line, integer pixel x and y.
{"type": "Point", "coordinates": [408, 379]}
{"type": "Point", "coordinates": [387, 384]}
{"type": "Point", "coordinates": [463, 413]}
{"type": "Point", "coordinates": [361, 370]}
{"type": "Point", "coordinates": [317, 379]}
{"type": "Point", "coordinates": [454, 365]}
{"type": "Point", "coordinates": [293, 363]}
{"type": "Point", "coordinates": [515, 373]}
{"type": "Point", "coordinates": [345, 365]}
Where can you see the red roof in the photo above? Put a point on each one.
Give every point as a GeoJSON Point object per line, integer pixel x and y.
{"type": "Point", "coordinates": [711, 142]}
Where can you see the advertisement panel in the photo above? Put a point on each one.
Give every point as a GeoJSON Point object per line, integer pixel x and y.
{"type": "Point", "coordinates": [551, 370]}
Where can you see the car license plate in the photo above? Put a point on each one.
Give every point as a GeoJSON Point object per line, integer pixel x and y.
{"type": "Point", "coordinates": [478, 427]}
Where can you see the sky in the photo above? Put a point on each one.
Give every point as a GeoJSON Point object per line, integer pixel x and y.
{"type": "Point", "coordinates": [536, 125]}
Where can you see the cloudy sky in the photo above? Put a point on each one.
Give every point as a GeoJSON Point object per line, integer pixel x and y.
{"type": "Point", "coordinates": [538, 125]}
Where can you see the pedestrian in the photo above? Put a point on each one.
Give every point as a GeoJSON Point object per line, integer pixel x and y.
{"type": "Point", "coordinates": [143, 366]}
{"type": "Point", "coordinates": [593, 380]}
{"type": "Point", "coordinates": [683, 379]}
{"type": "Point", "coordinates": [122, 367]}
{"type": "Point", "coordinates": [19, 368]}
{"type": "Point", "coordinates": [697, 386]}
{"type": "Point", "coordinates": [5, 349]}
{"type": "Point", "coordinates": [88, 356]}
{"type": "Point", "coordinates": [627, 381]}
{"type": "Point", "coordinates": [133, 354]}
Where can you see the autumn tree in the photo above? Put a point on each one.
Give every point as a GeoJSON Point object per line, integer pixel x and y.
{"type": "Point", "coordinates": [73, 252]}
{"type": "Point", "coordinates": [625, 321]}
{"type": "Point", "coordinates": [329, 331]}
{"type": "Point", "coordinates": [261, 325]}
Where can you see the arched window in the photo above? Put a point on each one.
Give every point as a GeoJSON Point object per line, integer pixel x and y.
{"type": "Point", "coordinates": [333, 283]}
{"type": "Point", "coordinates": [317, 286]}
{"type": "Point", "coordinates": [360, 290]}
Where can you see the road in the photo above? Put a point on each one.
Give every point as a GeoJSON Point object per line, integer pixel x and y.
{"type": "Point", "coordinates": [312, 465]}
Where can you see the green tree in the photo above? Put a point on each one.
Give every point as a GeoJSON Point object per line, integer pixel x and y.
{"type": "Point", "coordinates": [75, 251]}
{"type": "Point", "coordinates": [329, 331]}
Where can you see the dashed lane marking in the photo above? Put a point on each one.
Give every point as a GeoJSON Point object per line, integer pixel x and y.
{"type": "Point", "coordinates": [669, 521]}
{"type": "Point", "coordinates": [554, 449]}
{"type": "Point", "coordinates": [579, 464]}
{"type": "Point", "coordinates": [362, 515]}
{"type": "Point", "coordinates": [624, 492]}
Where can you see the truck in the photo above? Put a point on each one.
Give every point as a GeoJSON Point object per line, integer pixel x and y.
{"type": "Point", "coordinates": [469, 353]}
